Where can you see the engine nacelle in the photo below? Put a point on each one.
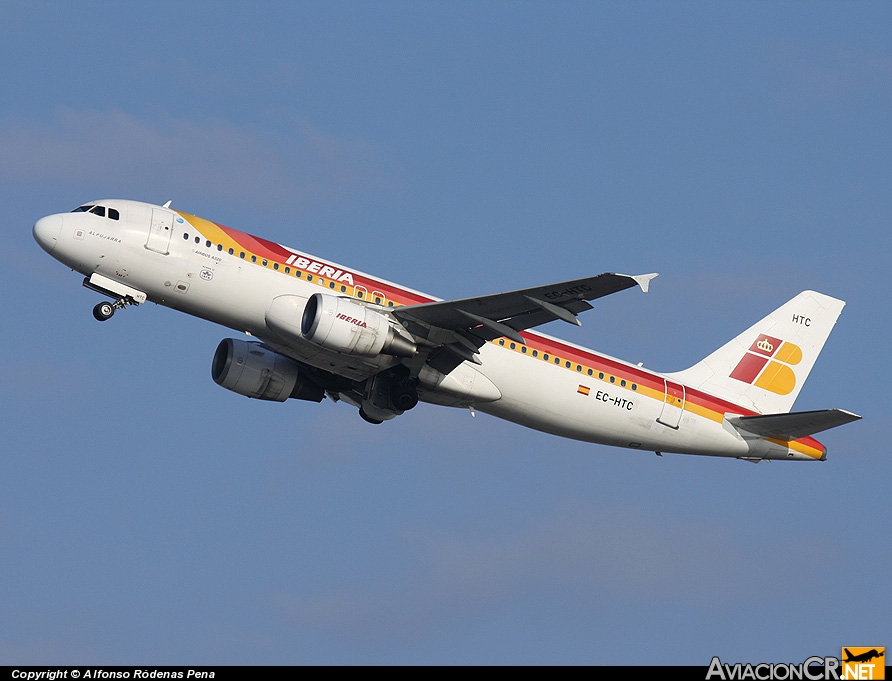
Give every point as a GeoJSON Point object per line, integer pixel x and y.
{"type": "Point", "coordinates": [342, 325]}
{"type": "Point", "coordinates": [251, 369]}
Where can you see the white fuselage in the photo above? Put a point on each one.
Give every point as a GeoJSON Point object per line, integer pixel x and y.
{"type": "Point", "coordinates": [177, 262]}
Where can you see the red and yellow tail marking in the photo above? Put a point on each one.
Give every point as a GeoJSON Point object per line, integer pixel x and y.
{"type": "Point", "coordinates": [767, 365]}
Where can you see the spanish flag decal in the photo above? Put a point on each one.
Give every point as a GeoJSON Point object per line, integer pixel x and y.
{"type": "Point", "coordinates": [583, 390]}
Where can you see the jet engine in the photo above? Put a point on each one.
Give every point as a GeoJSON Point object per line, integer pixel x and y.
{"type": "Point", "coordinates": [252, 369]}
{"type": "Point", "coordinates": [342, 325]}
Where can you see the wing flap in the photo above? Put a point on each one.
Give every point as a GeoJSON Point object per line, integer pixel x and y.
{"type": "Point", "coordinates": [793, 425]}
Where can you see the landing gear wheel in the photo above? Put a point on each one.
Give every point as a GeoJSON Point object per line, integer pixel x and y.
{"type": "Point", "coordinates": [103, 311]}
{"type": "Point", "coordinates": [369, 419]}
{"type": "Point", "coordinates": [404, 396]}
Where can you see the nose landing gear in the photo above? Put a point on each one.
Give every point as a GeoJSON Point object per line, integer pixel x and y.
{"type": "Point", "coordinates": [105, 310]}
{"type": "Point", "coordinates": [124, 295]}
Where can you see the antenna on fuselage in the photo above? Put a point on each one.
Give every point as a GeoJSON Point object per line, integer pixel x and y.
{"type": "Point", "coordinates": [167, 205]}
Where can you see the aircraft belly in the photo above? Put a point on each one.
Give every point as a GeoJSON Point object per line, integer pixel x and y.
{"type": "Point", "coordinates": [215, 288]}
{"type": "Point", "coordinates": [556, 400]}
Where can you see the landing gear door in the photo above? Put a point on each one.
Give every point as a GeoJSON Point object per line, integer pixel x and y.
{"type": "Point", "coordinates": [673, 404]}
{"type": "Point", "coordinates": [160, 231]}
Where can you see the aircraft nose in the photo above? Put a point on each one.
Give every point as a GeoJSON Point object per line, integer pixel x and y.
{"type": "Point", "coordinates": [46, 232]}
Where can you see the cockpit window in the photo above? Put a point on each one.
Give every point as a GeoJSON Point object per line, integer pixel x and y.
{"type": "Point", "coordinates": [113, 214]}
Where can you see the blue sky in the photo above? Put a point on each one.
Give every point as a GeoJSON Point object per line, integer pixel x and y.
{"type": "Point", "coordinates": [742, 150]}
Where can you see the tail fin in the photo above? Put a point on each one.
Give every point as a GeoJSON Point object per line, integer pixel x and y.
{"type": "Point", "coordinates": [764, 367]}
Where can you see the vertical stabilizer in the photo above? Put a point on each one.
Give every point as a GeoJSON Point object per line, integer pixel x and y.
{"type": "Point", "coordinates": [763, 369]}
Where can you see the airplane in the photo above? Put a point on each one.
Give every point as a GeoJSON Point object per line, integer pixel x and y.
{"type": "Point", "coordinates": [317, 329]}
{"type": "Point", "coordinates": [863, 657]}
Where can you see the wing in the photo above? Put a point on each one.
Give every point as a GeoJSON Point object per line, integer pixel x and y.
{"type": "Point", "coordinates": [454, 330]}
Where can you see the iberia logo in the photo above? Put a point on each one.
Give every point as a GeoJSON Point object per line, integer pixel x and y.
{"type": "Point", "coordinates": [863, 663]}
{"type": "Point", "coordinates": [767, 365]}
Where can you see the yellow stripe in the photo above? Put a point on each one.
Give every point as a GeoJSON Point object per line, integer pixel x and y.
{"type": "Point", "coordinates": [213, 233]}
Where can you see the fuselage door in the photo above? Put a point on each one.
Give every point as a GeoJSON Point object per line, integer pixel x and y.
{"type": "Point", "coordinates": [160, 231]}
{"type": "Point", "coordinates": [673, 404]}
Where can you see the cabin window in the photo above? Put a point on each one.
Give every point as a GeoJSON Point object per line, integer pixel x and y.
{"type": "Point", "coordinates": [343, 288]}
{"type": "Point", "coordinates": [545, 356]}
{"type": "Point", "coordinates": [501, 341]}
{"type": "Point", "coordinates": [613, 379]}
{"type": "Point", "coordinates": [535, 353]}
{"type": "Point", "coordinates": [331, 284]}
{"type": "Point", "coordinates": [569, 364]}
{"type": "Point", "coordinates": [242, 255]}
{"type": "Point", "coordinates": [601, 375]}
{"type": "Point", "coordinates": [219, 247]}
{"type": "Point", "coordinates": [198, 239]}
{"type": "Point", "coordinates": [513, 345]}
{"type": "Point", "coordinates": [186, 236]}
{"type": "Point", "coordinates": [634, 386]}
{"type": "Point", "coordinates": [578, 367]}
{"type": "Point", "coordinates": [557, 360]}
{"type": "Point", "coordinates": [231, 251]}
{"type": "Point", "coordinates": [622, 383]}
{"type": "Point", "coordinates": [207, 244]}
{"type": "Point", "coordinates": [359, 294]}
{"type": "Point", "coordinates": [590, 372]}
{"type": "Point", "coordinates": [264, 262]}
{"type": "Point", "coordinates": [523, 349]}
{"type": "Point", "coordinates": [309, 277]}
{"type": "Point", "coordinates": [275, 266]}
{"type": "Point", "coordinates": [253, 258]}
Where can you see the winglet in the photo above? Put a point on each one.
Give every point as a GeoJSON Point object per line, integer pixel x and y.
{"type": "Point", "coordinates": [643, 280]}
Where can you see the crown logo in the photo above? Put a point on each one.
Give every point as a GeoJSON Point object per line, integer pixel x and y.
{"type": "Point", "coordinates": [765, 345]}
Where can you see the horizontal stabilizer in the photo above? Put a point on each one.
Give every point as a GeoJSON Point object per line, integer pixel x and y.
{"type": "Point", "coordinates": [794, 425]}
